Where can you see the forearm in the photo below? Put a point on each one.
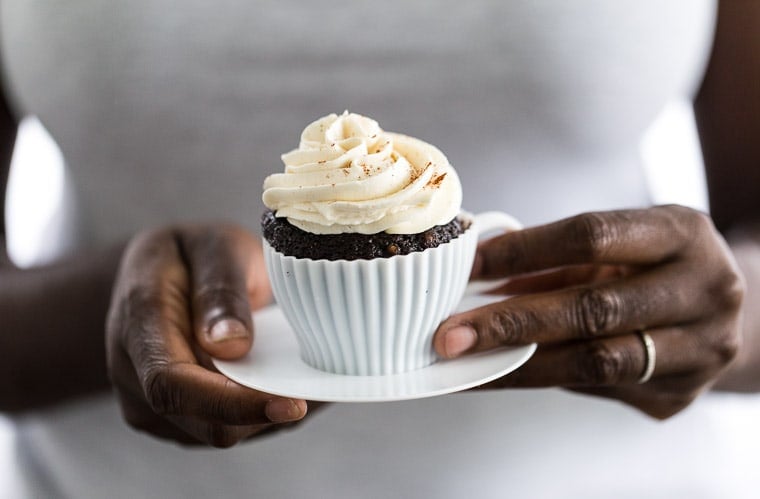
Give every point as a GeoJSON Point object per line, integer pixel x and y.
{"type": "Point", "coordinates": [52, 321]}
{"type": "Point", "coordinates": [727, 111]}
{"type": "Point", "coordinates": [744, 373]}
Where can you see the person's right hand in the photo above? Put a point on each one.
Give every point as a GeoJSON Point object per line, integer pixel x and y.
{"type": "Point", "coordinates": [184, 294]}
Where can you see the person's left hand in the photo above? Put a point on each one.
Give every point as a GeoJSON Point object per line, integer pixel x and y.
{"type": "Point", "coordinates": [584, 286]}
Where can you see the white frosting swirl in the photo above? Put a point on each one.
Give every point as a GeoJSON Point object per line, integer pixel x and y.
{"type": "Point", "coordinates": [348, 175]}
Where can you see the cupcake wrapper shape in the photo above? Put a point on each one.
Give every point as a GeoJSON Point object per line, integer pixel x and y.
{"type": "Point", "coordinates": [371, 317]}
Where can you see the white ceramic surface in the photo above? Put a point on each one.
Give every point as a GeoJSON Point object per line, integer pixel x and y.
{"type": "Point", "coordinates": [376, 317]}
{"type": "Point", "coordinates": [274, 366]}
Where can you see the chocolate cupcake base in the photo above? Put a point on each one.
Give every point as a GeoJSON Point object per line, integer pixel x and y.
{"type": "Point", "coordinates": [290, 240]}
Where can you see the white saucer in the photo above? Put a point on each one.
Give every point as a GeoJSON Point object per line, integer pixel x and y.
{"type": "Point", "coordinates": [274, 366]}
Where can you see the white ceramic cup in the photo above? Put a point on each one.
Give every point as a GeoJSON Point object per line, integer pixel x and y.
{"type": "Point", "coordinates": [376, 317]}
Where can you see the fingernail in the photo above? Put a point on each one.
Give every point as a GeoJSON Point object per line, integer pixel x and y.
{"type": "Point", "coordinates": [227, 329]}
{"type": "Point", "coordinates": [282, 410]}
{"type": "Point", "coordinates": [457, 340]}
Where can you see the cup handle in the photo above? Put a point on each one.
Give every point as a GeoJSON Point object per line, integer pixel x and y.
{"type": "Point", "coordinates": [490, 223]}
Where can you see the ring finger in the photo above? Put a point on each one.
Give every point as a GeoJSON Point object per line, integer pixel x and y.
{"type": "Point", "coordinates": [611, 361]}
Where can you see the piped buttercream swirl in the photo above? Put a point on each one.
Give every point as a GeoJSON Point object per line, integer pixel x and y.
{"type": "Point", "coordinates": [348, 175]}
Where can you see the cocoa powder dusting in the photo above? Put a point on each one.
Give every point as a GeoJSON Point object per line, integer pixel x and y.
{"type": "Point", "coordinates": [436, 181]}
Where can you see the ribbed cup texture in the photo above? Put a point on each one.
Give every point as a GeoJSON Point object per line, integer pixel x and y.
{"type": "Point", "coordinates": [371, 317]}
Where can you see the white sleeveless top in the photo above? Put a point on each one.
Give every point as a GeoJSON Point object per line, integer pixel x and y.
{"type": "Point", "coordinates": [168, 112]}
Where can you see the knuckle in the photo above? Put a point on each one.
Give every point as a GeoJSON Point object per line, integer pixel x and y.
{"type": "Point", "coordinates": [687, 222]}
{"type": "Point", "coordinates": [138, 297]}
{"type": "Point", "coordinates": [728, 351]}
{"type": "Point", "coordinates": [682, 223]}
{"type": "Point", "coordinates": [701, 222]}
{"type": "Point", "coordinates": [727, 347]}
{"type": "Point", "coordinates": [601, 365]}
{"type": "Point", "coordinates": [142, 302]}
{"type": "Point", "coordinates": [597, 312]}
{"type": "Point", "coordinates": [592, 234]}
{"type": "Point", "coordinates": [729, 289]}
{"type": "Point", "coordinates": [220, 293]}
{"type": "Point", "coordinates": [507, 326]}
{"type": "Point", "coordinates": [223, 403]}
{"type": "Point", "coordinates": [159, 393]}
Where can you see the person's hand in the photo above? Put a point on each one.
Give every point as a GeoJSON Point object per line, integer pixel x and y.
{"type": "Point", "coordinates": [182, 295]}
{"type": "Point", "coordinates": [583, 287]}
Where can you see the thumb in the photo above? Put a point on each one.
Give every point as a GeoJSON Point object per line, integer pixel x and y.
{"type": "Point", "coordinates": [220, 306]}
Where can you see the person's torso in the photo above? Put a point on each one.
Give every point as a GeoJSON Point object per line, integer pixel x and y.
{"type": "Point", "coordinates": [171, 113]}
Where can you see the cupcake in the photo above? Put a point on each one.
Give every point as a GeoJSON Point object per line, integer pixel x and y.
{"type": "Point", "coordinates": [366, 246]}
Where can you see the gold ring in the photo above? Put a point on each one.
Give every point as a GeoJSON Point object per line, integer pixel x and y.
{"type": "Point", "coordinates": [651, 354]}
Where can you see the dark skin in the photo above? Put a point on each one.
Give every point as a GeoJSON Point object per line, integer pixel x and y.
{"type": "Point", "coordinates": [33, 370]}
{"type": "Point", "coordinates": [667, 270]}
{"type": "Point", "coordinates": [182, 295]}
